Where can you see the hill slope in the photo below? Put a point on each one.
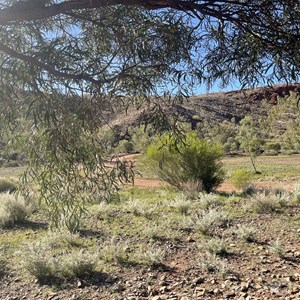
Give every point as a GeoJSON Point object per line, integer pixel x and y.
{"type": "Point", "coordinates": [211, 107]}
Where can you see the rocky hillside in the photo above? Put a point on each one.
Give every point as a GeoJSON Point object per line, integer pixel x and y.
{"type": "Point", "coordinates": [212, 107]}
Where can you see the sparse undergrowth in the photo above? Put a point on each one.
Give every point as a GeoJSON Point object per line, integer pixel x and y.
{"type": "Point", "coordinates": [150, 231]}
{"type": "Point", "coordinates": [13, 210]}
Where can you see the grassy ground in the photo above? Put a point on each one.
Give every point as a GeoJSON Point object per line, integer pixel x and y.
{"type": "Point", "coordinates": [161, 244]}
{"type": "Point", "coordinates": [272, 167]}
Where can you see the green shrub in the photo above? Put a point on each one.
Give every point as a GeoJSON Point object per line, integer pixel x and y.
{"type": "Point", "coordinates": [211, 220]}
{"type": "Point", "coordinates": [78, 264]}
{"type": "Point", "coordinates": [114, 251]}
{"type": "Point", "coordinates": [13, 210]}
{"type": "Point", "coordinates": [208, 201]}
{"type": "Point", "coordinates": [246, 233]}
{"type": "Point", "coordinates": [241, 179]}
{"type": "Point", "coordinates": [125, 146]}
{"type": "Point", "coordinates": [181, 204]}
{"type": "Point", "coordinates": [211, 263]}
{"type": "Point", "coordinates": [278, 249]}
{"type": "Point", "coordinates": [39, 262]}
{"type": "Point", "coordinates": [62, 238]}
{"type": "Point", "coordinates": [191, 159]}
{"type": "Point", "coordinates": [296, 193]}
{"type": "Point", "coordinates": [7, 185]}
{"type": "Point", "coordinates": [152, 256]}
{"type": "Point", "coordinates": [264, 203]}
{"type": "Point", "coordinates": [216, 246]}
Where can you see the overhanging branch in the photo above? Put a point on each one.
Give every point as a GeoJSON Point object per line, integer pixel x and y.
{"type": "Point", "coordinates": [31, 11]}
{"type": "Point", "coordinates": [35, 62]}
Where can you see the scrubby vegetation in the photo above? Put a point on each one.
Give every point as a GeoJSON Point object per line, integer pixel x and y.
{"type": "Point", "coordinates": [148, 231]}
{"type": "Point", "coordinates": [211, 222]}
{"type": "Point", "coordinates": [13, 210]}
{"type": "Point", "coordinates": [7, 185]}
{"type": "Point", "coordinates": [180, 161]}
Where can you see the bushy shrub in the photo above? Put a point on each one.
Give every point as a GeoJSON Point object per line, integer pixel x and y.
{"type": "Point", "coordinates": [39, 262]}
{"type": "Point", "coordinates": [211, 263]}
{"type": "Point", "coordinates": [216, 246]}
{"type": "Point", "coordinates": [209, 200]}
{"type": "Point", "coordinates": [13, 210]}
{"type": "Point", "coordinates": [264, 203]}
{"type": "Point", "coordinates": [191, 159]}
{"type": "Point", "coordinates": [181, 204]}
{"type": "Point", "coordinates": [7, 185]}
{"type": "Point", "coordinates": [211, 220]}
{"type": "Point", "coordinates": [278, 249]}
{"type": "Point", "coordinates": [125, 146]}
{"type": "Point", "coordinates": [62, 238]}
{"type": "Point", "coordinates": [241, 179]}
{"type": "Point", "coordinates": [78, 264]}
{"type": "Point", "coordinates": [114, 251]}
{"type": "Point", "coordinates": [152, 256]}
{"type": "Point", "coordinates": [246, 233]}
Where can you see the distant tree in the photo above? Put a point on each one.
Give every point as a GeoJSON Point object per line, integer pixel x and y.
{"type": "Point", "coordinates": [284, 122]}
{"type": "Point", "coordinates": [114, 53]}
{"type": "Point", "coordinates": [250, 140]}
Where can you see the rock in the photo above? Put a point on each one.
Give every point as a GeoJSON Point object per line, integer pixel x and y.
{"type": "Point", "coordinates": [290, 279]}
{"type": "Point", "coordinates": [200, 291]}
{"type": "Point", "coordinates": [232, 278]}
{"type": "Point", "coordinates": [216, 291]}
{"type": "Point", "coordinates": [244, 286]}
{"type": "Point", "coordinates": [156, 298]}
{"type": "Point", "coordinates": [164, 289]}
{"type": "Point", "coordinates": [198, 280]}
{"type": "Point", "coordinates": [295, 290]}
{"type": "Point", "coordinates": [190, 239]}
{"type": "Point", "coordinates": [257, 286]}
{"type": "Point", "coordinates": [230, 294]}
{"type": "Point", "coordinates": [163, 283]}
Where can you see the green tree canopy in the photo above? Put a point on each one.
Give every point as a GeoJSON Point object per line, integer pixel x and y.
{"type": "Point", "coordinates": [70, 61]}
{"type": "Point", "coordinates": [130, 47]}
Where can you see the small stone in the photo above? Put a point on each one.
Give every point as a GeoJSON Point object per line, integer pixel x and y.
{"type": "Point", "coordinates": [295, 290]}
{"type": "Point", "coordinates": [198, 280]}
{"type": "Point", "coordinates": [164, 289]}
{"type": "Point", "coordinates": [190, 239]}
{"type": "Point", "coordinates": [200, 291]}
{"type": "Point", "coordinates": [156, 298]}
{"type": "Point", "coordinates": [244, 286]}
{"type": "Point", "coordinates": [290, 279]}
{"type": "Point", "coordinates": [257, 286]}
{"type": "Point", "coordinates": [230, 294]}
{"type": "Point", "coordinates": [232, 278]}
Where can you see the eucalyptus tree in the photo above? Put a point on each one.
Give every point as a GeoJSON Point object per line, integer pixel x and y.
{"type": "Point", "coordinates": [72, 60]}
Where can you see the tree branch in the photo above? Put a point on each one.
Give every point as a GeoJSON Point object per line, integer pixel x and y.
{"type": "Point", "coordinates": [35, 62]}
{"type": "Point", "coordinates": [31, 12]}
